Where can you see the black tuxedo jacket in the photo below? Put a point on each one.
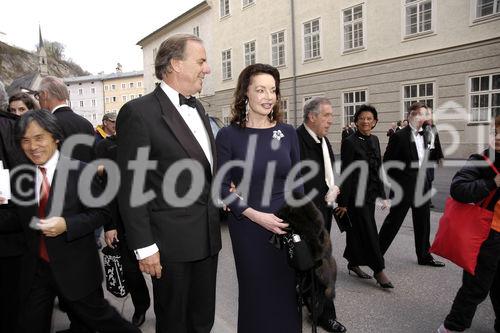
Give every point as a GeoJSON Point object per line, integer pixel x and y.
{"type": "Point", "coordinates": [182, 234]}
{"type": "Point", "coordinates": [70, 124]}
{"type": "Point", "coordinates": [73, 255]}
{"type": "Point", "coordinates": [311, 150]}
{"type": "Point", "coordinates": [11, 240]}
{"type": "Point", "coordinates": [401, 147]}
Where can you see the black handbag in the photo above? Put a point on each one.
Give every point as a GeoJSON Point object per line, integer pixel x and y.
{"type": "Point", "coordinates": [344, 222]}
{"type": "Point", "coordinates": [297, 252]}
{"type": "Point", "coordinates": [113, 269]}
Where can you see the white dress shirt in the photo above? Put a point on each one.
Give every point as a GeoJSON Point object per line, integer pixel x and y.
{"type": "Point", "coordinates": [195, 124]}
{"type": "Point", "coordinates": [50, 169]}
{"type": "Point", "coordinates": [419, 142]}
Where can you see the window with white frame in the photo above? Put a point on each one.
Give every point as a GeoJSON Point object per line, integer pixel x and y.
{"type": "Point", "coordinates": [278, 48]}
{"type": "Point", "coordinates": [106, 99]}
{"type": "Point", "coordinates": [486, 8]}
{"type": "Point", "coordinates": [139, 84]}
{"type": "Point", "coordinates": [82, 104]}
{"type": "Point", "coordinates": [312, 45]}
{"type": "Point", "coordinates": [284, 109]}
{"type": "Point", "coordinates": [418, 16]}
{"type": "Point", "coordinates": [132, 97]}
{"type": "Point", "coordinates": [131, 85]}
{"type": "Point", "coordinates": [249, 53]}
{"type": "Point", "coordinates": [113, 86]}
{"type": "Point", "coordinates": [484, 92]}
{"type": "Point", "coordinates": [124, 98]}
{"type": "Point", "coordinates": [124, 85]}
{"type": "Point", "coordinates": [226, 65]}
{"type": "Point", "coordinates": [196, 31]}
{"type": "Point", "coordinates": [353, 28]}
{"type": "Point", "coordinates": [351, 102]}
{"type": "Point", "coordinates": [418, 92]}
{"type": "Point", "coordinates": [224, 8]}
{"type": "Point", "coordinates": [80, 91]}
{"type": "Point", "coordinates": [92, 90]}
{"type": "Point", "coordinates": [106, 87]}
{"type": "Point", "coordinates": [113, 99]}
{"type": "Point", "coordinates": [93, 103]}
{"type": "Point", "coordinates": [247, 3]}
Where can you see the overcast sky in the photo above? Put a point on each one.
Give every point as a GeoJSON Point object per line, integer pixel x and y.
{"type": "Point", "coordinates": [96, 33]}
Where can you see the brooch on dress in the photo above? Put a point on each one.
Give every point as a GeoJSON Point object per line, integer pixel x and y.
{"type": "Point", "coordinates": [278, 135]}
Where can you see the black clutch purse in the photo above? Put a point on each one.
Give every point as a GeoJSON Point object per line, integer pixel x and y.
{"type": "Point", "coordinates": [343, 222]}
{"type": "Point", "coordinates": [113, 269]}
{"type": "Point", "coordinates": [297, 252]}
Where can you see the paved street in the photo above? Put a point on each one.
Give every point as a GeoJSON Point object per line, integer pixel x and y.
{"type": "Point", "coordinates": [420, 301]}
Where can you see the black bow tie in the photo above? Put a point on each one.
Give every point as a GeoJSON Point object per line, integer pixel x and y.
{"type": "Point", "coordinates": [420, 133]}
{"type": "Point", "coordinates": [191, 101]}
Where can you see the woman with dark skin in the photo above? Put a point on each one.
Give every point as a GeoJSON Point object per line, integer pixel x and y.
{"type": "Point", "coordinates": [362, 245]}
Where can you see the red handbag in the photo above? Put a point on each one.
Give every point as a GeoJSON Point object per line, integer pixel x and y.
{"type": "Point", "coordinates": [462, 230]}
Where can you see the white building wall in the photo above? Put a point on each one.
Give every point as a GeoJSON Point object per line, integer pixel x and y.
{"type": "Point", "coordinates": [88, 111]}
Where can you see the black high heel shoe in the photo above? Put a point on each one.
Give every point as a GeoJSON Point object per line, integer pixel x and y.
{"type": "Point", "coordinates": [385, 285]}
{"type": "Point", "coordinates": [356, 270]}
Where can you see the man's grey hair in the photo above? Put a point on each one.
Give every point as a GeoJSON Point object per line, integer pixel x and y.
{"type": "Point", "coordinates": [55, 87]}
{"type": "Point", "coordinates": [4, 98]}
{"type": "Point", "coordinates": [313, 106]}
{"type": "Point", "coordinates": [172, 48]}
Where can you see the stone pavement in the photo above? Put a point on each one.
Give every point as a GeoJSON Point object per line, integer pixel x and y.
{"type": "Point", "coordinates": [421, 299]}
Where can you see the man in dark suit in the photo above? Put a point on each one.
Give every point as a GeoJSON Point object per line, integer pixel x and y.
{"type": "Point", "coordinates": [410, 147]}
{"type": "Point", "coordinates": [175, 242]}
{"type": "Point", "coordinates": [58, 226]}
{"type": "Point", "coordinates": [315, 147]}
{"type": "Point", "coordinates": [53, 96]}
{"type": "Point", "coordinates": [435, 151]}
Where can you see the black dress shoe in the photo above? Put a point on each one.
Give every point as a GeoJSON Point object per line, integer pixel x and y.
{"type": "Point", "coordinates": [432, 263]}
{"type": "Point", "coordinates": [138, 318]}
{"type": "Point", "coordinates": [331, 325]}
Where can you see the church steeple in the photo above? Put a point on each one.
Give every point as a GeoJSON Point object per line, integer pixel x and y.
{"type": "Point", "coordinates": [42, 55]}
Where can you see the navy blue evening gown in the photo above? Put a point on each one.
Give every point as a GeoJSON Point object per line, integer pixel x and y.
{"type": "Point", "coordinates": [267, 297]}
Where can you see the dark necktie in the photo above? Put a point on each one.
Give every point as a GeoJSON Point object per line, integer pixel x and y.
{"type": "Point", "coordinates": [191, 101]}
{"type": "Point", "coordinates": [42, 204]}
{"type": "Point", "coordinates": [420, 133]}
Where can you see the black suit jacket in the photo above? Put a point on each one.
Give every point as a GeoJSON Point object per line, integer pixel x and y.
{"type": "Point", "coordinates": [311, 150]}
{"type": "Point", "coordinates": [12, 239]}
{"type": "Point", "coordinates": [182, 233]}
{"type": "Point", "coordinates": [352, 151]}
{"type": "Point", "coordinates": [71, 123]}
{"type": "Point", "coordinates": [73, 255]}
{"type": "Point", "coordinates": [401, 147]}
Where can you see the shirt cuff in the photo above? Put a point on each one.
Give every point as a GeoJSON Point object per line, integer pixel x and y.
{"type": "Point", "coordinates": [146, 251]}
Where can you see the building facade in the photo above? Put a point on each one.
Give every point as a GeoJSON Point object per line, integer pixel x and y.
{"type": "Point", "coordinates": [121, 87]}
{"type": "Point", "coordinates": [389, 53]}
{"type": "Point", "coordinates": [86, 94]}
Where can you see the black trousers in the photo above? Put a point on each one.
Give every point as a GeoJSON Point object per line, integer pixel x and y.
{"type": "Point", "coordinates": [184, 296]}
{"type": "Point", "coordinates": [93, 309]}
{"type": "Point", "coordinates": [421, 217]}
{"type": "Point", "coordinates": [10, 273]}
{"type": "Point", "coordinates": [475, 288]}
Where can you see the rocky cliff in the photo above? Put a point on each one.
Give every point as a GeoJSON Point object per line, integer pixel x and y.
{"type": "Point", "coordinates": [15, 62]}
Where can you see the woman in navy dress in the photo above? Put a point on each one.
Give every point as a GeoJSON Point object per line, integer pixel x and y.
{"type": "Point", "coordinates": [264, 150]}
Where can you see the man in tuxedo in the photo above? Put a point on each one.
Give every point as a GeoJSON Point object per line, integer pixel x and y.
{"type": "Point", "coordinates": [53, 96]}
{"type": "Point", "coordinates": [409, 145]}
{"type": "Point", "coordinates": [177, 243]}
{"type": "Point", "coordinates": [436, 155]}
{"type": "Point", "coordinates": [315, 146]}
{"type": "Point", "coordinates": [61, 259]}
